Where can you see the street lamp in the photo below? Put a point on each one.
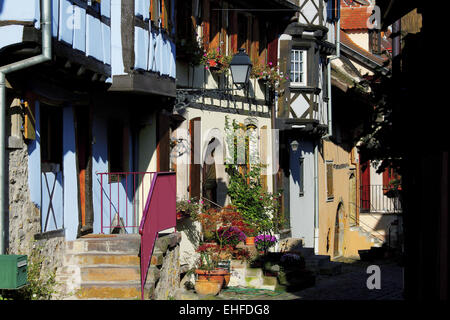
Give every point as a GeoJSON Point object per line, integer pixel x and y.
{"type": "Point", "coordinates": [294, 145]}
{"type": "Point", "coordinates": [241, 67]}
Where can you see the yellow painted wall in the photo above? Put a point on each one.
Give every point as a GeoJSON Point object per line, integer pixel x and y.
{"type": "Point", "coordinates": [350, 241]}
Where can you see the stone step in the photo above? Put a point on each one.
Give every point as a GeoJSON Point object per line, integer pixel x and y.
{"type": "Point", "coordinates": [95, 258]}
{"type": "Point", "coordinates": [269, 283]}
{"type": "Point", "coordinates": [305, 252]}
{"type": "Point", "coordinates": [316, 261]}
{"type": "Point", "coordinates": [110, 273]}
{"type": "Point", "coordinates": [331, 268]}
{"type": "Point", "coordinates": [254, 278]}
{"type": "Point", "coordinates": [125, 290]}
{"type": "Point", "coordinates": [119, 244]}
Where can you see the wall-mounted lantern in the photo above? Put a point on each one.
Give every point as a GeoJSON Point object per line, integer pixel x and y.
{"type": "Point", "coordinates": [241, 67]}
{"type": "Point", "coordinates": [294, 145]}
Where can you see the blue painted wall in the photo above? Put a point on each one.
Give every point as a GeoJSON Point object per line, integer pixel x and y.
{"type": "Point", "coordinates": [302, 207]}
{"type": "Point", "coordinates": [34, 161]}
{"type": "Point", "coordinates": [115, 197]}
{"type": "Point", "coordinates": [72, 26]}
{"type": "Point", "coordinates": [70, 175]}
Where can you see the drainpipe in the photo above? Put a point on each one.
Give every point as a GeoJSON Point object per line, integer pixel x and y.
{"type": "Point", "coordinates": [46, 55]}
{"type": "Point", "coordinates": [328, 135]}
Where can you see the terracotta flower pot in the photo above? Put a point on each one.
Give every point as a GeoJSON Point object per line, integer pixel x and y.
{"type": "Point", "coordinates": [250, 241]}
{"type": "Point", "coordinates": [207, 287]}
{"type": "Point", "coordinates": [220, 275]}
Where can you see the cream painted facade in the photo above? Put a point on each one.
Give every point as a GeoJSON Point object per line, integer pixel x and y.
{"type": "Point", "coordinates": [213, 112]}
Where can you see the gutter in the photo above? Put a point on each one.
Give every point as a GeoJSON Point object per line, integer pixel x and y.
{"type": "Point", "coordinates": [46, 55]}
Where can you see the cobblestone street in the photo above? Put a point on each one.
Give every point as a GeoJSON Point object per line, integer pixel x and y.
{"type": "Point", "coordinates": [349, 285]}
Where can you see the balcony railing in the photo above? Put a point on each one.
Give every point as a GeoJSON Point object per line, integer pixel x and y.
{"type": "Point", "coordinates": [380, 198]}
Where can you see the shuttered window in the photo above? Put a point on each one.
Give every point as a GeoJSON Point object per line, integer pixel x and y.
{"type": "Point", "coordinates": [329, 180]}
{"type": "Point", "coordinates": [155, 10]}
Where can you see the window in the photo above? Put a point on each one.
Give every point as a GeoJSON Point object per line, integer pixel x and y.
{"type": "Point", "coordinates": [301, 177]}
{"type": "Point", "coordinates": [51, 134]}
{"type": "Point", "coordinates": [333, 10]}
{"type": "Point", "coordinates": [94, 4]}
{"type": "Point", "coordinates": [242, 35]}
{"type": "Point", "coordinates": [329, 181]}
{"type": "Point", "coordinates": [298, 67]}
{"type": "Point", "coordinates": [118, 145]}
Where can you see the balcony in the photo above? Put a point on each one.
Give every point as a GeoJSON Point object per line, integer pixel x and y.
{"type": "Point", "coordinates": [81, 37]}
{"type": "Point", "coordinates": [380, 199]}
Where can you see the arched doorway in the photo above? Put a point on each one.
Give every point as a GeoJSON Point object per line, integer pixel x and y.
{"type": "Point", "coordinates": [339, 231]}
{"type": "Point", "coordinates": [209, 178]}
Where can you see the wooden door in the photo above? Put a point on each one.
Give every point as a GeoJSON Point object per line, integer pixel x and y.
{"type": "Point", "coordinates": [195, 159]}
{"type": "Point", "coordinates": [365, 186]}
{"type": "Point", "coordinates": [352, 201]}
{"type": "Point", "coordinates": [84, 168]}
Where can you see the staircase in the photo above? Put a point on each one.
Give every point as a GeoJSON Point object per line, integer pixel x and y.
{"type": "Point", "coordinates": [375, 242]}
{"type": "Point", "coordinates": [101, 267]}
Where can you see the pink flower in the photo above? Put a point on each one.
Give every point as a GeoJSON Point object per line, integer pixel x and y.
{"type": "Point", "coordinates": [201, 201]}
{"type": "Point", "coordinates": [189, 201]}
{"type": "Point", "coordinates": [270, 63]}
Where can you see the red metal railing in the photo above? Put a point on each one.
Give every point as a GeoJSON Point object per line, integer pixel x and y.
{"type": "Point", "coordinates": [122, 199]}
{"type": "Point", "coordinates": [380, 198]}
{"type": "Point", "coordinates": [125, 194]}
{"type": "Point", "coordinates": [159, 214]}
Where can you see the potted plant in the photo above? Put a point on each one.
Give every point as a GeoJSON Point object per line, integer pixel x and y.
{"type": "Point", "coordinates": [187, 208]}
{"type": "Point", "coordinates": [210, 278]}
{"type": "Point", "coordinates": [215, 61]}
{"type": "Point", "coordinates": [264, 242]}
{"type": "Point", "coordinates": [269, 74]}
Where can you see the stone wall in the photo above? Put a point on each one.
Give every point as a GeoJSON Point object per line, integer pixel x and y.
{"type": "Point", "coordinates": [163, 277]}
{"type": "Point", "coordinates": [24, 217]}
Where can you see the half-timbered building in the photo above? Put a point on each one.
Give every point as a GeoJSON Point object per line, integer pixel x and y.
{"type": "Point", "coordinates": [207, 98]}
{"type": "Point", "coordinates": [89, 127]}
{"type": "Point", "coordinates": [303, 112]}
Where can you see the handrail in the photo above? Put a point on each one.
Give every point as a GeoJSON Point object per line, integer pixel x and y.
{"type": "Point", "coordinates": [216, 204]}
{"type": "Point", "coordinates": [159, 214]}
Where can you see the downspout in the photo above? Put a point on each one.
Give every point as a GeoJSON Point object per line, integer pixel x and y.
{"type": "Point", "coordinates": [46, 55]}
{"type": "Point", "coordinates": [328, 135]}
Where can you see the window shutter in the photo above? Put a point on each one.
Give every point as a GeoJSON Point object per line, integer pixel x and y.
{"type": "Point", "coordinates": [233, 16]}
{"type": "Point", "coordinates": [206, 24]}
{"type": "Point", "coordinates": [264, 143]}
{"type": "Point", "coordinates": [272, 48]}
{"type": "Point", "coordinates": [329, 180]}
{"type": "Point", "coordinates": [283, 99]}
{"type": "Point", "coordinates": [255, 41]}
{"type": "Point", "coordinates": [215, 26]}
